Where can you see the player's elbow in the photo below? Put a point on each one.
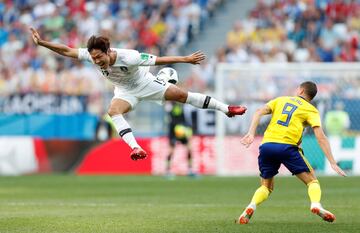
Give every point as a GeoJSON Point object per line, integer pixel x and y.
{"type": "Point", "coordinates": [258, 111]}
{"type": "Point", "coordinates": [319, 134]}
{"type": "Point", "coordinates": [261, 112]}
{"type": "Point", "coordinates": [322, 139]}
{"type": "Point", "coordinates": [69, 54]}
{"type": "Point", "coordinates": [257, 114]}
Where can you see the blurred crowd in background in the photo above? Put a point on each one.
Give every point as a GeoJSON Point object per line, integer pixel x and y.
{"type": "Point", "coordinates": [282, 31]}
{"type": "Point", "coordinates": [296, 31]}
{"type": "Point", "coordinates": [274, 31]}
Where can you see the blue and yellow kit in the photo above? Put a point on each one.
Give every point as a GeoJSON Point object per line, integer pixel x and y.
{"type": "Point", "coordinates": [280, 145]}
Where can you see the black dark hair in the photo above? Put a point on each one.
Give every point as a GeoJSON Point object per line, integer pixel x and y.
{"type": "Point", "coordinates": [98, 42]}
{"type": "Point", "coordinates": [310, 89]}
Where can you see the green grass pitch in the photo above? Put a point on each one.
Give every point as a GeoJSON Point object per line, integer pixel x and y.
{"type": "Point", "coordinates": [67, 203]}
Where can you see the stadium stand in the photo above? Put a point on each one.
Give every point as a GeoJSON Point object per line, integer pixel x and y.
{"type": "Point", "coordinates": [297, 31]}
{"type": "Point", "coordinates": [282, 31]}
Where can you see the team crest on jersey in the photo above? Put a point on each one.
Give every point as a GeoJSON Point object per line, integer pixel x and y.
{"type": "Point", "coordinates": [105, 72]}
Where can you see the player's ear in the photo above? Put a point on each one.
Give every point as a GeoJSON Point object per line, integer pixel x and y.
{"type": "Point", "coordinates": [300, 91]}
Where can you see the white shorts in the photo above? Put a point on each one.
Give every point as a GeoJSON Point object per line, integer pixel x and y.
{"type": "Point", "coordinates": [154, 90]}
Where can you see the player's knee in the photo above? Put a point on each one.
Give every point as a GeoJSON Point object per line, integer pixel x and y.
{"type": "Point", "coordinates": [116, 110]}
{"type": "Point", "coordinates": [118, 106]}
{"type": "Point", "coordinates": [183, 96]}
{"type": "Point", "coordinates": [113, 111]}
{"type": "Point", "coordinates": [173, 93]}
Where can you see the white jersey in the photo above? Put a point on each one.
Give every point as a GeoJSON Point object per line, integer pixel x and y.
{"type": "Point", "coordinates": [130, 71]}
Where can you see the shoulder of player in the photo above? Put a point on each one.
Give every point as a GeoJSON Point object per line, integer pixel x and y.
{"type": "Point", "coordinates": [83, 50]}
{"type": "Point", "coordinates": [124, 55]}
{"type": "Point", "coordinates": [83, 54]}
{"type": "Point", "coordinates": [313, 108]}
{"type": "Point", "coordinates": [310, 107]}
{"type": "Point", "coordinates": [124, 51]}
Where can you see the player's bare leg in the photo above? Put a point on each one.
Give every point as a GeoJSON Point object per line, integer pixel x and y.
{"type": "Point", "coordinates": [174, 93]}
{"type": "Point", "coordinates": [116, 110]}
{"type": "Point", "coordinates": [314, 192]}
{"type": "Point", "coordinates": [261, 194]}
{"type": "Point", "coordinates": [191, 173]}
{"type": "Point", "coordinates": [169, 175]}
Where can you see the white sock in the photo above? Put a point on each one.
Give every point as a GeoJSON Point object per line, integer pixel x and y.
{"type": "Point", "coordinates": [124, 130]}
{"type": "Point", "coordinates": [315, 205]}
{"type": "Point", "coordinates": [252, 205]}
{"type": "Point", "coordinates": [203, 101]}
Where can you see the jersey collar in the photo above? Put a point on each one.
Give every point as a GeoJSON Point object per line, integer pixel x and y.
{"type": "Point", "coordinates": [302, 98]}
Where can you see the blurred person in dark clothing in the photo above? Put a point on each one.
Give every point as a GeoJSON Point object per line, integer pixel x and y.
{"type": "Point", "coordinates": [180, 130]}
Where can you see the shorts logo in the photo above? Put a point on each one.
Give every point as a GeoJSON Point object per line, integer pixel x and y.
{"type": "Point", "coordinates": [144, 56]}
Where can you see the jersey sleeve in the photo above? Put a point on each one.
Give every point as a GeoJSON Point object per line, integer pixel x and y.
{"type": "Point", "coordinates": [272, 104]}
{"type": "Point", "coordinates": [134, 58]}
{"type": "Point", "coordinates": [84, 55]}
{"type": "Point", "coordinates": [314, 119]}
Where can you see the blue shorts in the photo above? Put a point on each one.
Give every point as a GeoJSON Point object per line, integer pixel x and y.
{"type": "Point", "coordinates": [272, 155]}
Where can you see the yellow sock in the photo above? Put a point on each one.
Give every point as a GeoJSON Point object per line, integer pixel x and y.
{"type": "Point", "coordinates": [260, 195]}
{"type": "Point", "coordinates": [314, 191]}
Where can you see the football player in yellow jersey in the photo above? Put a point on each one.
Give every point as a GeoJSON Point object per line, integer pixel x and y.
{"type": "Point", "coordinates": [280, 145]}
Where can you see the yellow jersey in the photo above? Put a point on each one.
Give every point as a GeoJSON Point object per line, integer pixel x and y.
{"type": "Point", "coordinates": [290, 114]}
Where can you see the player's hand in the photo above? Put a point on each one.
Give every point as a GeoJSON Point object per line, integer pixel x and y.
{"type": "Point", "coordinates": [35, 36]}
{"type": "Point", "coordinates": [247, 140]}
{"type": "Point", "coordinates": [336, 168]}
{"type": "Point", "coordinates": [196, 58]}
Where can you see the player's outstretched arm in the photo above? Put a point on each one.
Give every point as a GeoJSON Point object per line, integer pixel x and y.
{"type": "Point", "coordinates": [58, 48]}
{"type": "Point", "coordinates": [325, 146]}
{"type": "Point", "coordinates": [194, 59]}
{"type": "Point", "coordinates": [249, 137]}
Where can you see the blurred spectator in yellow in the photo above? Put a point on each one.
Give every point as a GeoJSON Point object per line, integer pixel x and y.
{"type": "Point", "coordinates": [237, 35]}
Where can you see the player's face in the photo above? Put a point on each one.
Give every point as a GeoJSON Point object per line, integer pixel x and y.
{"type": "Point", "coordinates": [100, 58]}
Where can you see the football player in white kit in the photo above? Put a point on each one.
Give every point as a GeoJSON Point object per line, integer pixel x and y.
{"type": "Point", "coordinates": [128, 70]}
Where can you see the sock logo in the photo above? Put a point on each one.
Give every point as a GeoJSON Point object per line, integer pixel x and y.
{"type": "Point", "coordinates": [206, 102]}
{"type": "Point", "coordinates": [124, 131]}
